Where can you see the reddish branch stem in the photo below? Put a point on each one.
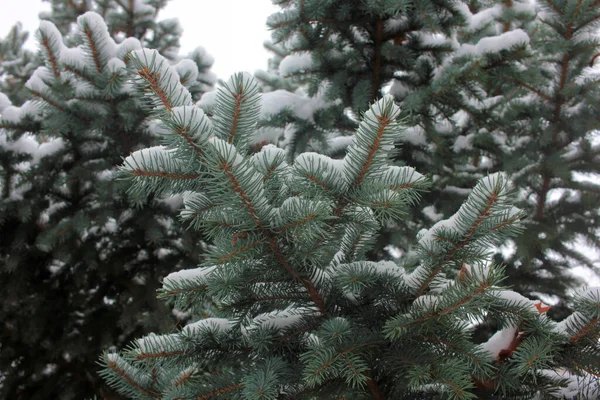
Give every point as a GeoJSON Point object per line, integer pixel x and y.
{"type": "Point", "coordinates": [94, 50]}
{"type": "Point", "coordinates": [588, 327]}
{"type": "Point", "coordinates": [384, 122]}
{"type": "Point", "coordinates": [51, 56]}
{"type": "Point", "coordinates": [139, 172]}
{"type": "Point", "coordinates": [236, 113]}
{"type": "Point", "coordinates": [152, 80]}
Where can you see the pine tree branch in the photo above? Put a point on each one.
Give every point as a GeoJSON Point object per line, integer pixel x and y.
{"type": "Point", "coordinates": [113, 366]}
{"type": "Point", "coordinates": [584, 368]}
{"type": "Point", "coordinates": [301, 221]}
{"type": "Point", "coordinates": [95, 55]}
{"type": "Point", "coordinates": [239, 96]}
{"type": "Point", "coordinates": [480, 290]}
{"type": "Point", "coordinates": [451, 346]}
{"type": "Point", "coordinates": [183, 378]}
{"type": "Point", "coordinates": [460, 244]}
{"type": "Point", "coordinates": [507, 20]}
{"type": "Point", "coordinates": [318, 182]}
{"type": "Point", "coordinates": [187, 290]}
{"type": "Point", "coordinates": [216, 393]}
{"type": "Point", "coordinates": [344, 352]}
{"type": "Point", "coordinates": [554, 7]}
{"type": "Point", "coordinates": [559, 101]}
{"type": "Point", "coordinates": [383, 123]}
{"type": "Point", "coordinates": [47, 100]}
{"type": "Point", "coordinates": [162, 354]}
{"type": "Point", "coordinates": [528, 87]}
{"type": "Point", "coordinates": [51, 56]}
{"type": "Point", "coordinates": [583, 331]}
{"type": "Point", "coordinates": [298, 332]}
{"type": "Point", "coordinates": [139, 172]}
{"type": "Point", "coordinates": [310, 287]}
{"type": "Point", "coordinates": [153, 80]}
{"type": "Point", "coordinates": [234, 253]}
{"type": "Point", "coordinates": [131, 19]}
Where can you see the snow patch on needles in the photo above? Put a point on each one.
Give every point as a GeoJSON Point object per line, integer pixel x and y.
{"type": "Point", "coordinates": [303, 107]}
{"type": "Point", "coordinates": [175, 278]}
{"type": "Point", "coordinates": [220, 324]}
{"type": "Point", "coordinates": [494, 44]}
{"type": "Point", "coordinates": [295, 63]}
{"type": "Point", "coordinates": [499, 341]}
{"type": "Point", "coordinates": [4, 102]}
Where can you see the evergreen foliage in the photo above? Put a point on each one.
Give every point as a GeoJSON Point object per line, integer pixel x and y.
{"type": "Point", "coordinates": [80, 260]}
{"type": "Point", "coordinates": [16, 65]}
{"type": "Point", "coordinates": [546, 138]}
{"type": "Point", "coordinates": [299, 312]}
{"type": "Point", "coordinates": [137, 19]}
{"type": "Point", "coordinates": [479, 83]}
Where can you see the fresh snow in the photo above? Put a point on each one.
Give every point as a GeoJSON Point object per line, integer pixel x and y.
{"type": "Point", "coordinates": [301, 106]}
{"type": "Point", "coordinates": [103, 43]}
{"type": "Point", "coordinates": [281, 319]}
{"type": "Point", "coordinates": [220, 324]}
{"type": "Point", "coordinates": [430, 213]}
{"type": "Point", "coordinates": [146, 156]}
{"type": "Point", "coordinates": [295, 63]}
{"type": "Point", "coordinates": [4, 102]}
{"type": "Point", "coordinates": [462, 143]}
{"type": "Point", "coordinates": [499, 341]}
{"type": "Point", "coordinates": [187, 70]}
{"type": "Point", "coordinates": [494, 44]}
{"type": "Point", "coordinates": [515, 298]}
{"type": "Point", "coordinates": [127, 46]}
{"type": "Point", "coordinates": [175, 278]}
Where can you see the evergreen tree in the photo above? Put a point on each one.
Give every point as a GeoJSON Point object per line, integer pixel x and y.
{"type": "Point", "coordinates": [16, 65]}
{"type": "Point", "coordinates": [138, 19]}
{"type": "Point", "coordinates": [80, 259]}
{"type": "Point", "coordinates": [546, 138]}
{"type": "Point", "coordinates": [421, 53]}
{"type": "Point", "coordinates": [462, 73]}
{"type": "Point", "coordinates": [300, 313]}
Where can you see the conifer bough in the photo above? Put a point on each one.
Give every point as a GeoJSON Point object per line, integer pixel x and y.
{"type": "Point", "coordinates": [299, 313]}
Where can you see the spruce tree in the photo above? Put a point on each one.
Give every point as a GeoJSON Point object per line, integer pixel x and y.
{"type": "Point", "coordinates": [138, 19]}
{"type": "Point", "coordinates": [299, 312]}
{"type": "Point", "coordinates": [16, 65]}
{"type": "Point", "coordinates": [546, 138]}
{"type": "Point", "coordinates": [463, 74]}
{"type": "Point", "coordinates": [80, 259]}
{"type": "Point", "coordinates": [422, 54]}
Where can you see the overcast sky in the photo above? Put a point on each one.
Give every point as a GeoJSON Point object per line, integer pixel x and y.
{"type": "Point", "coordinates": [232, 31]}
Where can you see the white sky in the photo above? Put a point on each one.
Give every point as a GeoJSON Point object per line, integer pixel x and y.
{"type": "Point", "coordinates": [232, 31]}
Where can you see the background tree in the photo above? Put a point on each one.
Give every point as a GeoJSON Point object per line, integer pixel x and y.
{"type": "Point", "coordinates": [138, 19]}
{"type": "Point", "coordinates": [459, 71]}
{"type": "Point", "coordinates": [546, 138]}
{"type": "Point", "coordinates": [16, 65]}
{"type": "Point", "coordinates": [301, 314]}
{"type": "Point", "coordinates": [80, 258]}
